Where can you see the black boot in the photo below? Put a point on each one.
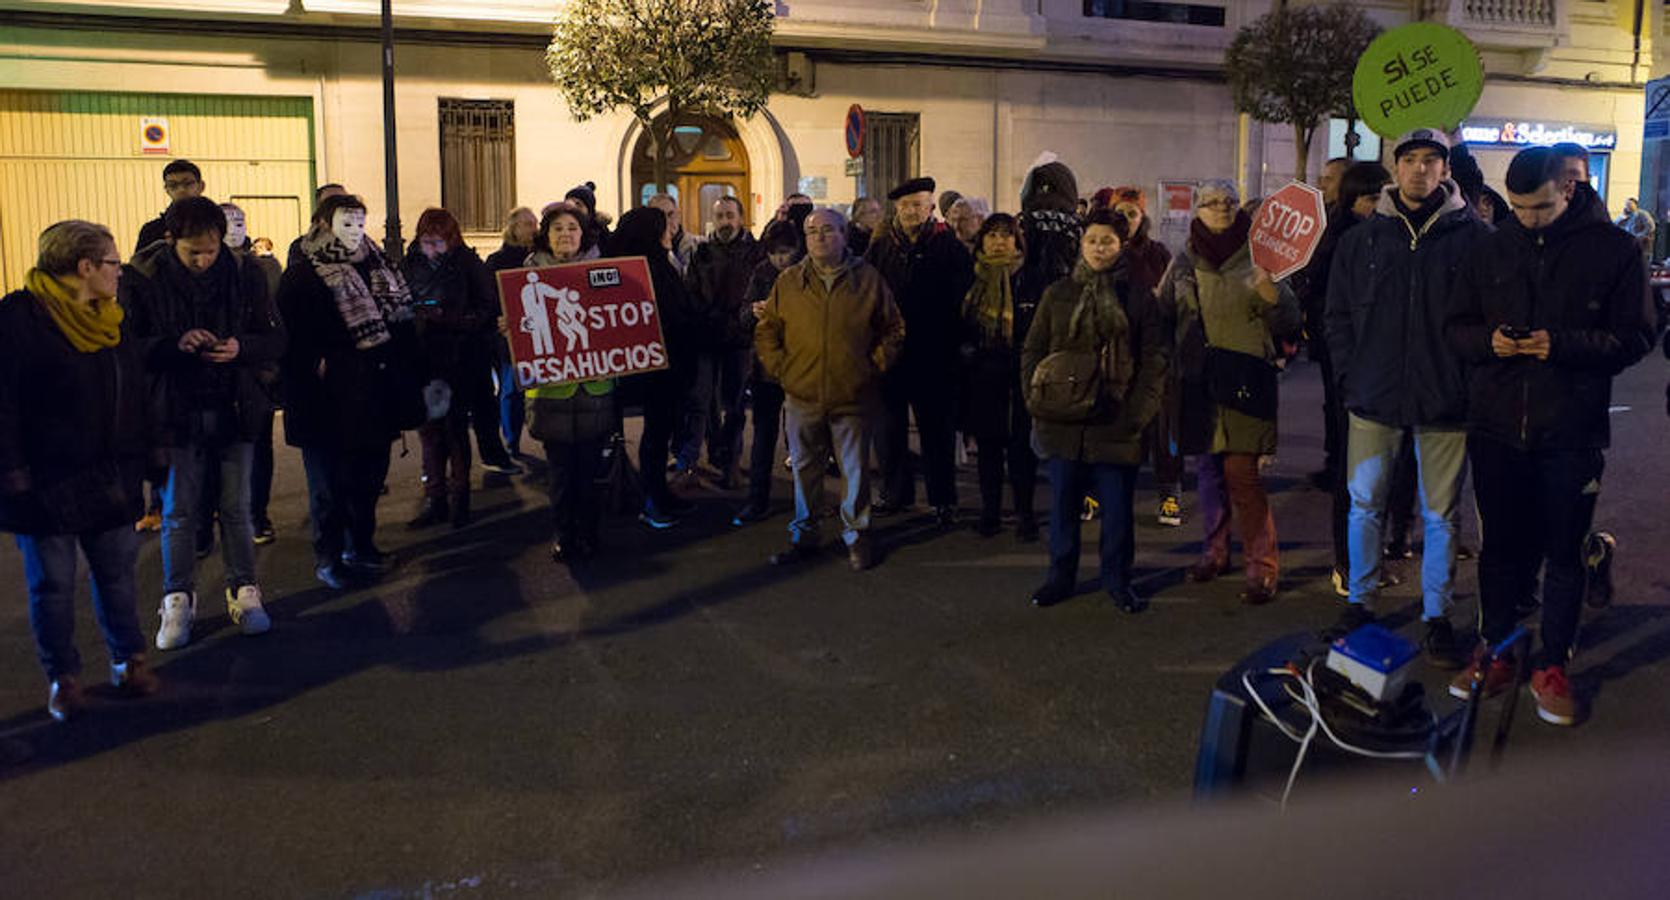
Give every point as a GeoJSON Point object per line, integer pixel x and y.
{"type": "Point", "coordinates": [433, 512]}
{"type": "Point", "coordinates": [460, 510]}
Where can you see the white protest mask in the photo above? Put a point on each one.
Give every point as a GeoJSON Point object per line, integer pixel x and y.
{"type": "Point", "coordinates": [349, 227]}
{"type": "Point", "coordinates": [236, 231]}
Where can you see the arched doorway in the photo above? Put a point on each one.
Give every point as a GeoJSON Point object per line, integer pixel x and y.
{"type": "Point", "coordinates": [705, 162]}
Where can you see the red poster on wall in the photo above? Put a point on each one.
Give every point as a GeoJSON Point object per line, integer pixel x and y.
{"type": "Point", "coordinates": [582, 321]}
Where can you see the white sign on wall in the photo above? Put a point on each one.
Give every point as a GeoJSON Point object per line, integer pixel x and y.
{"type": "Point", "coordinates": [153, 136]}
{"type": "Point", "coordinates": [1512, 133]}
{"type": "Point", "coordinates": [815, 186]}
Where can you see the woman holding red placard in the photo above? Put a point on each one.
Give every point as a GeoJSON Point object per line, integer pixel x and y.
{"type": "Point", "coordinates": [572, 420]}
{"type": "Point", "coordinates": [1226, 312]}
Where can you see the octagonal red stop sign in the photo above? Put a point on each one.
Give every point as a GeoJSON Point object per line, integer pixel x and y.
{"type": "Point", "coordinates": [1288, 228]}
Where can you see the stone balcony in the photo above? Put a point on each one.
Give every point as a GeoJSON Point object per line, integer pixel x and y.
{"type": "Point", "coordinates": [1503, 24]}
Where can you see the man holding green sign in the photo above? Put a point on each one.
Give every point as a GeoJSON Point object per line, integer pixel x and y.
{"type": "Point", "coordinates": [1388, 296]}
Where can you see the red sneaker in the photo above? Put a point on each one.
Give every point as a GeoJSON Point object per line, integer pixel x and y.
{"type": "Point", "coordinates": [1553, 694]}
{"type": "Point", "coordinates": [1496, 678]}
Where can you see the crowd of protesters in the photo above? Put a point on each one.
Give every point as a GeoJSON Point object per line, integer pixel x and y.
{"type": "Point", "coordinates": [1456, 329]}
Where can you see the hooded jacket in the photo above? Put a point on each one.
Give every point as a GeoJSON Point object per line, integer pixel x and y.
{"type": "Point", "coordinates": [829, 345]}
{"type": "Point", "coordinates": [929, 277]}
{"type": "Point", "coordinates": [718, 279]}
{"type": "Point", "coordinates": [1050, 227]}
{"type": "Point", "coordinates": [1584, 282]}
{"type": "Point", "coordinates": [229, 300]}
{"type": "Point", "coordinates": [1389, 293]}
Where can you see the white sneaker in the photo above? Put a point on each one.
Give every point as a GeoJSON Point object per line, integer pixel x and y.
{"type": "Point", "coordinates": [246, 611]}
{"type": "Point", "coordinates": [178, 609]}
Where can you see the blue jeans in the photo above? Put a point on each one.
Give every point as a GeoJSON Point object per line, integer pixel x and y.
{"type": "Point", "coordinates": [813, 434]}
{"type": "Point", "coordinates": [1113, 485]}
{"type": "Point", "coordinates": [49, 565]}
{"type": "Point", "coordinates": [1371, 455]}
{"type": "Point", "coordinates": [188, 471]}
{"type": "Point", "coordinates": [512, 409]}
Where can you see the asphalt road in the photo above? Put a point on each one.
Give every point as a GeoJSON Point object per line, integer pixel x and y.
{"type": "Point", "coordinates": [487, 723]}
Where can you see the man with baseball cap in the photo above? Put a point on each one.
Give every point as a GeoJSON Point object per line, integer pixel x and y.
{"type": "Point", "coordinates": [1389, 292]}
{"type": "Point", "coordinates": [929, 272]}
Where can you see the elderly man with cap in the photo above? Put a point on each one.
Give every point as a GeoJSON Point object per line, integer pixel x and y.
{"type": "Point", "coordinates": [929, 272]}
{"type": "Point", "coordinates": [1389, 293]}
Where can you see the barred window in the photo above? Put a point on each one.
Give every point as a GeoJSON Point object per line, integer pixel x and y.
{"type": "Point", "coordinates": [1151, 11]}
{"type": "Point", "coordinates": [892, 151]}
{"type": "Point", "coordinates": [478, 161]}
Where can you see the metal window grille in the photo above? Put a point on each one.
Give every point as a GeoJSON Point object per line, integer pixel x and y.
{"type": "Point", "coordinates": [892, 151]}
{"type": "Point", "coordinates": [1150, 11]}
{"type": "Point", "coordinates": [478, 161]}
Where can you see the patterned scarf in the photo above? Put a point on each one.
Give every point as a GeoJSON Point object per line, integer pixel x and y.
{"type": "Point", "coordinates": [990, 305]}
{"type": "Point", "coordinates": [89, 327]}
{"type": "Point", "coordinates": [366, 310]}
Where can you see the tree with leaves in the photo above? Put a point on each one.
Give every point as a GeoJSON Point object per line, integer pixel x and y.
{"type": "Point", "coordinates": [699, 56]}
{"type": "Point", "coordinates": [1294, 66]}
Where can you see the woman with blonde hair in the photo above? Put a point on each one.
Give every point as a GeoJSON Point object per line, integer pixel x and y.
{"type": "Point", "coordinates": [74, 437]}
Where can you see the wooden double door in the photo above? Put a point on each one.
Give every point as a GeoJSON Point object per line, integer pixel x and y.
{"type": "Point", "coordinates": [706, 161]}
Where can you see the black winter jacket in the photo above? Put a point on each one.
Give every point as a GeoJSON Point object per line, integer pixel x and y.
{"type": "Point", "coordinates": [149, 233]}
{"type": "Point", "coordinates": [1052, 249]}
{"type": "Point", "coordinates": [929, 278]}
{"type": "Point", "coordinates": [1583, 281]}
{"type": "Point", "coordinates": [75, 431]}
{"type": "Point", "coordinates": [717, 279]}
{"type": "Point", "coordinates": [165, 301]}
{"type": "Point", "coordinates": [1311, 284]}
{"type": "Point", "coordinates": [508, 256]}
{"type": "Point", "coordinates": [1389, 293]}
{"type": "Point", "coordinates": [457, 307]}
{"type": "Point", "coordinates": [363, 397]}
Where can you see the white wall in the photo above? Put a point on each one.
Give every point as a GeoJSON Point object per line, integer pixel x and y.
{"type": "Point", "coordinates": [981, 127]}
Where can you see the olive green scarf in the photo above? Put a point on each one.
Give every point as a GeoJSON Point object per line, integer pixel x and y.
{"type": "Point", "coordinates": [90, 327]}
{"type": "Point", "coordinates": [990, 305]}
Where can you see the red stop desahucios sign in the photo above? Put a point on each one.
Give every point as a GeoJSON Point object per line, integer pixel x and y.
{"type": "Point", "coordinates": [1287, 229]}
{"type": "Point", "coordinates": [582, 321]}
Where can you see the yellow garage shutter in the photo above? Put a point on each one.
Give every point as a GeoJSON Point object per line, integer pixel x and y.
{"type": "Point", "coordinates": [78, 155]}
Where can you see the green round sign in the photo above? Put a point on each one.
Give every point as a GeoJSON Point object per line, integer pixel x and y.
{"type": "Point", "coordinates": [1422, 75]}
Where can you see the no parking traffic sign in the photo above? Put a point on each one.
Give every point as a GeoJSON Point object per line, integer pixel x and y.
{"type": "Point", "coordinates": [855, 131]}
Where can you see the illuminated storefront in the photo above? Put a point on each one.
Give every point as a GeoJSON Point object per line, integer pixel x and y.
{"type": "Point", "coordinates": [1495, 141]}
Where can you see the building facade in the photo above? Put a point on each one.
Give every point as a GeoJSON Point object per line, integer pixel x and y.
{"type": "Point", "coordinates": [272, 97]}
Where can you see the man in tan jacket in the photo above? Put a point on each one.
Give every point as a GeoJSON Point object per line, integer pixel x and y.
{"type": "Point", "coordinates": [827, 333]}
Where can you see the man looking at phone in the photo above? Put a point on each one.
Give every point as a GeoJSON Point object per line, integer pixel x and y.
{"type": "Point", "coordinates": [207, 327]}
{"type": "Point", "coordinates": [1389, 292]}
{"type": "Point", "coordinates": [1553, 306]}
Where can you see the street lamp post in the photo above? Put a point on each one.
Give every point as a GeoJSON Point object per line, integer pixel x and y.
{"type": "Point", "coordinates": [392, 243]}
